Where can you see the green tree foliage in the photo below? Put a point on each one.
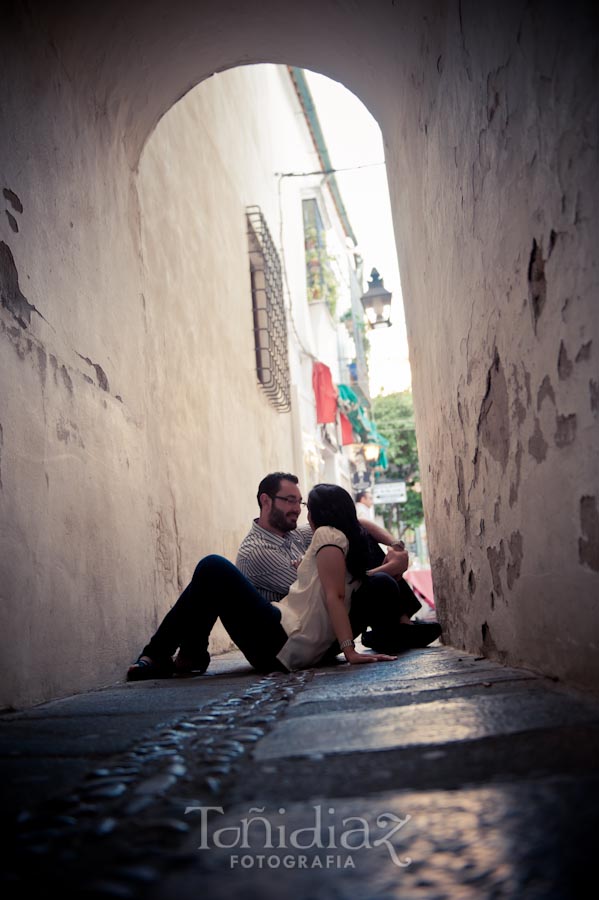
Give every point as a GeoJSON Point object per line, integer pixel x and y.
{"type": "Point", "coordinates": [394, 417]}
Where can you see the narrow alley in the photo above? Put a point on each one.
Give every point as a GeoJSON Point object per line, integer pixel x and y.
{"type": "Point", "coordinates": [439, 775]}
{"type": "Point", "coordinates": [183, 309]}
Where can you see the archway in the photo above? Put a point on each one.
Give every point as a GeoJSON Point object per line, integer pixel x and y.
{"type": "Point", "coordinates": [495, 234]}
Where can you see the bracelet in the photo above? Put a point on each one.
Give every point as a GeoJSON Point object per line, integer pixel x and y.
{"type": "Point", "coordinates": [346, 643]}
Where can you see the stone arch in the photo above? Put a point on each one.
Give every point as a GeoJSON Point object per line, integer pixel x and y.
{"type": "Point", "coordinates": [489, 120]}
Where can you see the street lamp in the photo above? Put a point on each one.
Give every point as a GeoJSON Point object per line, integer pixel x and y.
{"type": "Point", "coordinates": [377, 302]}
{"type": "Point", "coordinates": [371, 452]}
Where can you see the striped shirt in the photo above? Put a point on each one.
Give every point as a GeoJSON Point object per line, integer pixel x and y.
{"type": "Point", "coordinates": [266, 559]}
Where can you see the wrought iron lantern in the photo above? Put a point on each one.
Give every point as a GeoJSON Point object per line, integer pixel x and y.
{"type": "Point", "coordinates": [377, 302]}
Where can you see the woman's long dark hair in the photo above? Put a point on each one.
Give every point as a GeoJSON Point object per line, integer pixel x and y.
{"type": "Point", "coordinates": [330, 504]}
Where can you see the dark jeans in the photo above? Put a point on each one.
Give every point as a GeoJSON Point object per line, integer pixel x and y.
{"type": "Point", "coordinates": [381, 599]}
{"type": "Point", "coordinates": [379, 602]}
{"type": "Point", "coordinates": [218, 589]}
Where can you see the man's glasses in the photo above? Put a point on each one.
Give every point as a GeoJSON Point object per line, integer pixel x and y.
{"type": "Point", "coordinates": [292, 501]}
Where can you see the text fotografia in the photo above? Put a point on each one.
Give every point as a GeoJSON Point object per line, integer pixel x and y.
{"type": "Point", "coordinates": [255, 833]}
{"type": "Point", "coordinates": [289, 861]}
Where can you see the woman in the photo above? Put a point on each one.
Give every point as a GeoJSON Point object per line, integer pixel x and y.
{"type": "Point", "coordinates": [292, 634]}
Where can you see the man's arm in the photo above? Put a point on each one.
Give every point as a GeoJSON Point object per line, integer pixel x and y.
{"type": "Point", "coordinates": [396, 563]}
{"type": "Point", "coordinates": [381, 535]}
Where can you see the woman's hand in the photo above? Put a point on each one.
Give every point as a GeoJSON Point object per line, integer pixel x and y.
{"type": "Point", "coordinates": [355, 659]}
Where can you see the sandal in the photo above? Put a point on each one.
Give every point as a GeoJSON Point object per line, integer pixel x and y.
{"type": "Point", "coordinates": [144, 669]}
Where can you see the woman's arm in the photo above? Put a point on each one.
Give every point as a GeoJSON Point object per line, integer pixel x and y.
{"type": "Point", "coordinates": [330, 563]}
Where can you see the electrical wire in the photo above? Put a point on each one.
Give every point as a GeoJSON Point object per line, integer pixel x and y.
{"type": "Point", "coordinates": [327, 171]}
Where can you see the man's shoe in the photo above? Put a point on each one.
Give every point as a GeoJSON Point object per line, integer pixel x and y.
{"type": "Point", "coordinates": [186, 666]}
{"type": "Point", "coordinates": [404, 637]}
{"type": "Point", "coordinates": [143, 670]}
{"type": "Point", "coordinates": [420, 634]}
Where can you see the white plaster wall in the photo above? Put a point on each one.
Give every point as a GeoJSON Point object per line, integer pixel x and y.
{"type": "Point", "coordinates": [495, 199]}
{"type": "Point", "coordinates": [75, 523]}
{"type": "Point", "coordinates": [209, 158]}
{"type": "Point", "coordinates": [133, 430]}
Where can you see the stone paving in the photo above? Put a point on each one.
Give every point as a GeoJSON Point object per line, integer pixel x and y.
{"type": "Point", "coordinates": [439, 775]}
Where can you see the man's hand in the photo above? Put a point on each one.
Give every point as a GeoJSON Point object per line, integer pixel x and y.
{"type": "Point", "coordinates": [397, 560]}
{"type": "Point", "coordinates": [396, 563]}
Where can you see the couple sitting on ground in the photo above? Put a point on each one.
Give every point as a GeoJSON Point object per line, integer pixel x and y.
{"type": "Point", "coordinates": [298, 596]}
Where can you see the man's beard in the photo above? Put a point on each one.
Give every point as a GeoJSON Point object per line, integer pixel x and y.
{"type": "Point", "coordinates": [277, 519]}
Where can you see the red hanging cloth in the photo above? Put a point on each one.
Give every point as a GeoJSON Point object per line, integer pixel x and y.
{"type": "Point", "coordinates": [325, 393]}
{"type": "Point", "coordinates": [347, 432]}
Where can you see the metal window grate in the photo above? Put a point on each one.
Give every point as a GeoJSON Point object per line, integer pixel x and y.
{"type": "Point", "coordinates": [270, 323]}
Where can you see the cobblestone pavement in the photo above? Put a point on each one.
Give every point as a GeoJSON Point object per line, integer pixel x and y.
{"type": "Point", "coordinates": [439, 775]}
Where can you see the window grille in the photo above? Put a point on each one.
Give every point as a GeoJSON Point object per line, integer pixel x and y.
{"type": "Point", "coordinates": [270, 323]}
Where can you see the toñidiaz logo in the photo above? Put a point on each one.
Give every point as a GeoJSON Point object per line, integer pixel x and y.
{"type": "Point", "coordinates": [268, 841]}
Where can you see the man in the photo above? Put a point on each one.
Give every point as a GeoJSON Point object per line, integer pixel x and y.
{"type": "Point", "coordinates": [270, 554]}
{"type": "Point", "coordinates": [364, 505]}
